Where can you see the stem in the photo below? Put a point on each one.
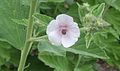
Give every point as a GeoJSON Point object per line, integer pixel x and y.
{"type": "Point", "coordinates": [106, 9]}
{"type": "Point", "coordinates": [37, 39]}
{"type": "Point", "coordinates": [79, 12]}
{"type": "Point", "coordinates": [78, 62]}
{"type": "Point", "coordinates": [28, 44]}
{"type": "Point", "coordinates": [56, 9]}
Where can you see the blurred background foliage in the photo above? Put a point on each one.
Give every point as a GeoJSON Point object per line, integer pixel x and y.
{"type": "Point", "coordinates": [97, 49]}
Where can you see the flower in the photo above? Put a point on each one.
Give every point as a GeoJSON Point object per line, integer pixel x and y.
{"type": "Point", "coordinates": [63, 31]}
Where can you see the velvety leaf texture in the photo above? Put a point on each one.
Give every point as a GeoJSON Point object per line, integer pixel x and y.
{"type": "Point", "coordinates": [11, 32]}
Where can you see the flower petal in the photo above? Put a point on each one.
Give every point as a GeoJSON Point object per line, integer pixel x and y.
{"type": "Point", "coordinates": [74, 30]}
{"type": "Point", "coordinates": [53, 25]}
{"type": "Point", "coordinates": [68, 40]}
{"type": "Point", "coordinates": [64, 19]}
{"type": "Point", "coordinates": [54, 38]}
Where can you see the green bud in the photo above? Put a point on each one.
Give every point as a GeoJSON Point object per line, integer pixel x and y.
{"type": "Point", "coordinates": [93, 23]}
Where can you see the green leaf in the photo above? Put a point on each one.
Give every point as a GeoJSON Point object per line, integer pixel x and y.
{"type": "Point", "coordinates": [73, 11]}
{"type": "Point", "coordinates": [11, 32]}
{"type": "Point", "coordinates": [91, 2]}
{"type": "Point", "coordinates": [51, 0]}
{"type": "Point", "coordinates": [9, 54]}
{"type": "Point", "coordinates": [88, 39]}
{"type": "Point", "coordinates": [23, 22]}
{"type": "Point", "coordinates": [112, 16]}
{"type": "Point", "coordinates": [113, 32]}
{"type": "Point", "coordinates": [112, 48]}
{"type": "Point", "coordinates": [4, 56]}
{"type": "Point", "coordinates": [2, 61]}
{"type": "Point", "coordinates": [42, 21]}
{"type": "Point", "coordinates": [25, 2]}
{"type": "Point", "coordinates": [99, 10]}
{"type": "Point", "coordinates": [78, 48]}
{"type": "Point", "coordinates": [60, 63]}
{"type": "Point", "coordinates": [34, 64]}
{"type": "Point", "coordinates": [84, 67]}
{"type": "Point", "coordinates": [92, 51]}
{"type": "Point", "coordinates": [81, 12]}
{"type": "Point", "coordinates": [53, 56]}
{"type": "Point", "coordinates": [14, 56]}
{"type": "Point", "coordinates": [46, 46]}
{"type": "Point", "coordinates": [114, 3]}
{"type": "Point", "coordinates": [70, 2]}
{"type": "Point", "coordinates": [89, 52]}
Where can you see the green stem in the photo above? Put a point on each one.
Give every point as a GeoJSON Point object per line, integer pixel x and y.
{"type": "Point", "coordinates": [37, 39]}
{"type": "Point", "coordinates": [56, 9]}
{"type": "Point", "coordinates": [106, 9]}
{"type": "Point", "coordinates": [79, 58]}
{"type": "Point", "coordinates": [28, 44]}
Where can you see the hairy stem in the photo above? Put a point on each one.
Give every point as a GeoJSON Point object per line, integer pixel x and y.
{"type": "Point", "coordinates": [28, 44]}
{"type": "Point", "coordinates": [37, 39]}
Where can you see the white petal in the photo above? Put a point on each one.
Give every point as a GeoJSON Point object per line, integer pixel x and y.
{"type": "Point", "coordinates": [74, 30]}
{"type": "Point", "coordinates": [53, 25]}
{"type": "Point", "coordinates": [68, 40]}
{"type": "Point", "coordinates": [64, 19]}
{"type": "Point", "coordinates": [54, 38]}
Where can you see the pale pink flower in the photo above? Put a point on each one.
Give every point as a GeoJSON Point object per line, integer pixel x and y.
{"type": "Point", "coordinates": [63, 31]}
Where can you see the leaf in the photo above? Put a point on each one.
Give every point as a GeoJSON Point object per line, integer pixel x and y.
{"type": "Point", "coordinates": [14, 56]}
{"type": "Point", "coordinates": [78, 48]}
{"type": "Point", "coordinates": [73, 11]}
{"type": "Point", "coordinates": [35, 65]}
{"type": "Point", "coordinates": [51, 0]}
{"type": "Point", "coordinates": [113, 32]}
{"type": "Point", "coordinates": [91, 2]}
{"type": "Point", "coordinates": [89, 52]}
{"type": "Point", "coordinates": [70, 2]}
{"type": "Point", "coordinates": [9, 54]}
{"type": "Point", "coordinates": [92, 51]}
{"type": "Point", "coordinates": [111, 46]}
{"type": "Point", "coordinates": [84, 67]}
{"type": "Point", "coordinates": [114, 3]}
{"type": "Point", "coordinates": [112, 16]}
{"type": "Point", "coordinates": [23, 22]}
{"type": "Point", "coordinates": [2, 61]}
{"type": "Point", "coordinates": [4, 56]}
{"type": "Point", "coordinates": [26, 2]}
{"type": "Point", "coordinates": [88, 39]}
{"type": "Point", "coordinates": [81, 11]}
{"type": "Point", "coordinates": [55, 56]}
{"type": "Point", "coordinates": [60, 63]}
{"type": "Point", "coordinates": [11, 32]}
{"type": "Point", "coordinates": [98, 12]}
{"type": "Point", "coordinates": [42, 21]}
{"type": "Point", "coordinates": [46, 46]}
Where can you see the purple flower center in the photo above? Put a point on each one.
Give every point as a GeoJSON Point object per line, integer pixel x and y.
{"type": "Point", "coordinates": [64, 31]}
